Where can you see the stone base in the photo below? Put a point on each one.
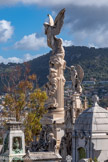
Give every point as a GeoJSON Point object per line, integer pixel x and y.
{"type": "Point", "coordinates": [76, 106]}
{"type": "Point", "coordinates": [11, 158]}
{"type": "Point", "coordinates": [56, 122]}
{"type": "Point", "coordinates": [42, 156]}
{"type": "Point", "coordinates": [77, 100]}
{"type": "Point", "coordinates": [54, 115]}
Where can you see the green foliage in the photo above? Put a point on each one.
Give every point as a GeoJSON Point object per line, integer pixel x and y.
{"type": "Point", "coordinates": [95, 159]}
{"type": "Point", "coordinates": [37, 109]}
{"type": "Point", "coordinates": [1, 141]}
{"type": "Point", "coordinates": [18, 91]}
{"type": "Point", "coordinates": [82, 153]}
{"type": "Point", "coordinates": [94, 62]}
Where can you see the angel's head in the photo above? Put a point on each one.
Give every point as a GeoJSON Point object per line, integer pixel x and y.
{"type": "Point", "coordinates": [72, 67]}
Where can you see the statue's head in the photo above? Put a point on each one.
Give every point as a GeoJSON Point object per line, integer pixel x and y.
{"type": "Point", "coordinates": [16, 139]}
{"type": "Point", "coordinates": [50, 136]}
{"type": "Point", "coordinates": [72, 67]}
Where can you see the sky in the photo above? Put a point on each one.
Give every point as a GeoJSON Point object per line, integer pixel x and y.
{"type": "Point", "coordinates": [22, 35]}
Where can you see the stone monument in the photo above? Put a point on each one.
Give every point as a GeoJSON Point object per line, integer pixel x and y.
{"type": "Point", "coordinates": [73, 108]}
{"type": "Point", "coordinates": [90, 135]}
{"type": "Point", "coordinates": [42, 157]}
{"type": "Point", "coordinates": [14, 143]}
{"type": "Point", "coordinates": [55, 86]}
{"type": "Point", "coordinates": [77, 75]}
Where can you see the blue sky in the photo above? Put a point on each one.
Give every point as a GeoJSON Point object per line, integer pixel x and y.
{"type": "Point", "coordinates": [22, 35]}
{"type": "Point", "coordinates": [25, 21]}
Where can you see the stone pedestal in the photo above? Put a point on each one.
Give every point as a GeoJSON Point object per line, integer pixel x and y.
{"type": "Point", "coordinates": [42, 157]}
{"type": "Point", "coordinates": [72, 111]}
{"type": "Point", "coordinates": [55, 115]}
{"type": "Point", "coordinates": [55, 120]}
{"type": "Point", "coordinates": [76, 106]}
{"type": "Point", "coordinates": [14, 143]}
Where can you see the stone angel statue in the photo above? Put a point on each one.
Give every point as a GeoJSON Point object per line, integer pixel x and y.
{"type": "Point", "coordinates": [52, 29]}
{"type": "Point", "coordinates": [77, 75]}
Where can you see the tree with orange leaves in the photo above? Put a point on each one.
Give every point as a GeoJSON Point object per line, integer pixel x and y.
{"type": "Point", "coordinates": [18, 85]}
{"type": "Point", "coordinates": [23, 100]}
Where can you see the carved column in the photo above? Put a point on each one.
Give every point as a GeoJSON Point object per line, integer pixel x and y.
{"type": "Point", "coordinates": [55, 105]}
{"type": "Point", "coordinates": [76, 106]}
{"type": "Point", "coordinates": [55, 87]}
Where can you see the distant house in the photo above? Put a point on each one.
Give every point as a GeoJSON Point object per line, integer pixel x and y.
{"type": "Point", "coordinates": [89, 83]}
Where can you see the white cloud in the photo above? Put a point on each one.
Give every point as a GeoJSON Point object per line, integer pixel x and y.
{"type": "Point", "coordinates": [56, 3]}
{"type": "Point", "coordinates": [67, 43]}
{"type": "Point", "coordinates": [86, 21]}
{"type": "Point", "coordinates": [100, 37]}
{"type": "Point", "coordinates": [6, 30]}
{"type": "Point", "coordinates": [10, 59]}
{"type": "Point", "coordinates": [92, 38]}
{"type": "Point", "coordinates": [92, 45]}
{"type": "Point", "coordinates": [9, 2]}
{"type": "Point", "coordinates": [31, 42]}
{"type": "Point", "coordinates": [26, 57]}
{"type": "Point", "coordinates": [66, 2]}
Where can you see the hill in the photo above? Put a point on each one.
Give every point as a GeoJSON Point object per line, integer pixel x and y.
{"type": "Point", "coordinates": [94, 62]}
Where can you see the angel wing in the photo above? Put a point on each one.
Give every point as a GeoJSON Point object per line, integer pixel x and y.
{"type": "Point", "coordinates": [51, 21]}
{"type": "Point", "coordinates": [58, 23]}
{"type": "Point", "coordinates": [80, 72]}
